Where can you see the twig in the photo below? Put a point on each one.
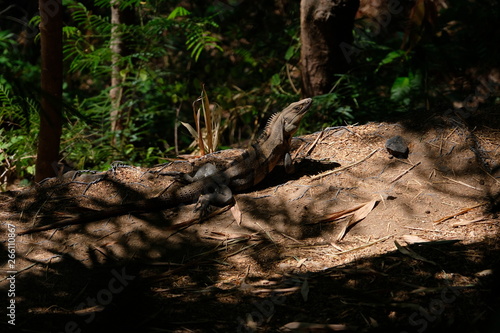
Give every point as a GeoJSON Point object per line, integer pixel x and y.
{"type": "Point", "coordinates": [267, 233]}
{"type": "Point", "coordinates": [404, 172]}
{"type": "Point", "coordinates": [290, 79]}
{"type": "Point", "coordinates": [320, 135]}
{"type": "Point", "coordinates": [477, 220]}
{"type": "Point", "coordinates": [363, 246]}
{"type": "Point", "coordinates": [184, 225]}
{"type": "Point", "coordinates": [167, 274]}
{"type": "Point", "coordinates": [326, 173]}
{"type": "Point", "coordinates": [290, 237]}
{"type": "Point", "coordinates": [422, 229]}
{"type": "Point", "coordinates": [277, 290]}
{"type": "Point", "coordinates": [489, 174]}
{"type": "Point", "coordinates": [296, 153]}
{"type": "Point", "coordinates": [463, 211]}
{"type": "Point", "coordinates": [302, 195]}
{"type": "Point", "coordinates": [451, 132]}
{"type": "Point", "coordinates": [241, 250]}
{"type": "Point", "coordinates": [462, 183]}
{"type": "Point", "coordinates": [22, 270]}
{"type": "Point", "coordinates": [176, 129]}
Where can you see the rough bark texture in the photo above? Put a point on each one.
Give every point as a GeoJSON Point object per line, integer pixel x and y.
{"type": "Point", "coordinates": [51, 82]}
{"type": "Point", "coordinates": [116, 48]}
{"type": "Point", "coordinates": [118, 116]}
{"type": "Point", "coordinates": [326, 30]}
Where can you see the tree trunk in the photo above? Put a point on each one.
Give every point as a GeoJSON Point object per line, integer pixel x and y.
{"type": "Point", "coordinates": [49, 136]}
{"type": "Point", "coordinates": [326, 29]}
{"type": "Point", "coordinates": [118, 117]}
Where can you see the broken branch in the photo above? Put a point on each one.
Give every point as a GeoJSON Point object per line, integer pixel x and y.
{"type": "Point", "coordinates": [326, 173]}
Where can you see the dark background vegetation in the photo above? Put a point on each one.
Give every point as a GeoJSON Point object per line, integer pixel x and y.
{"type": "Point", "coordinates": [432, 57]}
{"type": "Point", "coordinates": [423, 59]}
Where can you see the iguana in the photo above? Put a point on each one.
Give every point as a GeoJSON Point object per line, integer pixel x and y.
{"type": "Point", "coordinates": [212, 184]}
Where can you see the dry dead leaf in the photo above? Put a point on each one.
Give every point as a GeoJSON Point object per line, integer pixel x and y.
{"type": "Point", "coordinates": [412, 239]}
{"type": "Point", "coordinates": [409, 252]}
{"type": "Point", "coordinates": [304, 290]}
{"type": "Point", "coordinates": [485, 272]}
{"type": "Point", "coordinates": [235, 210]}
{"type": "Point", "coordinates": [358, 215]}
{"type": "Point", "coordinates": [299, 327]}
{"type": "Point", "coordinates": [340, 214]}
{"type": "Point", "coordinates": [301, 262]}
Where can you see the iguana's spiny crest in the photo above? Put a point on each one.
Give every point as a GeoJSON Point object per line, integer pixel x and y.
{"type": "Point", "coordinates": [287, 121]}
{"type": "Point", "coordinates": [213, 185]}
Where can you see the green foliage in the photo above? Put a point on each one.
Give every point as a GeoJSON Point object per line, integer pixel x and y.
{"type": "Point", "coordinates": [406, 87]}
{"type": "Point", "coordinates": [198, 40]}
{"type": "Point", "coordinates": [178, 12]}
{"type": "Point", "coordinates": [18, 148]}
{"type": "Point", "coordinates": [391, 57]}
{"type": "Point", "coordinates": [6, 42]}
{"type": "Point", "coordinates": [246, 54]}
{"type": "Point", "coordinates": [87, 52]}
{"type": "Point", "coordinates": [151, 89]}
{"type": "Point", "coordinates": [18, 110]}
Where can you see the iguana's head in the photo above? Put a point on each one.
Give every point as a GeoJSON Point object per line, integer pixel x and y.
{"type": "Point", "coordinates": [293, 114]}
{"type": "Point", "coordinates": [283, 125]}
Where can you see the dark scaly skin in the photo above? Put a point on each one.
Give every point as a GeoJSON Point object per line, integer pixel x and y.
{"type": "Point", "coordinates": [212, 186]}
{"type": "Point", "coordinates": [257, 161]}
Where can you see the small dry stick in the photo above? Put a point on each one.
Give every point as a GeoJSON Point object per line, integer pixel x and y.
{"type": "Point", "coordinates": [320, 135]}
{"type": "Point", "coordinates": [363, 246]}
{"type": "Point", "coordinates": [451, 132]}
{"type": "Point", "coordinates": [490, 175]}
{"type": "Point", "coordinates": [422, 229]}
{"type": "Point", "coordinates": [290, 79]}
{"type": "Point", "coordinates": [404, 173]}
{"type": "Point", "coordinates": [186, 224]}
{"type": "Point", "coordinates": [22, 270]}
{"type": "Point", "coordinates": [463, 211]}
{"type": "Point", "coordinates": [321, 175]}
{"type": "Point", "coordinates": [462, 183]}
{"type": "Point", "coordinates": [298, 150]}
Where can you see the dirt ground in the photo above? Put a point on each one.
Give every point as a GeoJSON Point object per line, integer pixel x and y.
{"type": "Point", "coordinates": [420, 254]}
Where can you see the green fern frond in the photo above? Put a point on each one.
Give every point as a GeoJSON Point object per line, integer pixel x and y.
{"type": "Point", "coordinates": [198, 41]}
{"type": "Point", "coordinates": [35, 20]}
{"type": "Point", "coordinates": [122, 4]}
{"type": "Point", "coordinates": [5, 98]}
{"type": "Point", "coordinates": [85, 18]}
{"type": "Point", "coordinates": [69, 32]}
{"type": "Point", "coordinates": [178, 12]}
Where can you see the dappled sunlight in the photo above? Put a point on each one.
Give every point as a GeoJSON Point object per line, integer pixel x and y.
{"type": "Point", "coordinates": [416, 258]}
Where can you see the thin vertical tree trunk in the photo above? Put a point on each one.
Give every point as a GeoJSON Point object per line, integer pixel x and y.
{"type": "Point", "coordinates": [115, 94]}
{"type": "Point", "coordinates": [325, 27]}
{"type": "Point", "coordinates": [118, 116]}
{"type": "Point", "coordinates": [51, 83]}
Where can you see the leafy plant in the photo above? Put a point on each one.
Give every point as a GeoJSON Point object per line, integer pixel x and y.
{"type": "Point", "coordinates": [18, 148]}
{"type": "Point", "coordinates": [247, 54]}
{"type": "Point", "coordinates": [207, 138]}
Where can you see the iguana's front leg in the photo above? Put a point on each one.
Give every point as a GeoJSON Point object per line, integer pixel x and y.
{"type": "Point", "coordinates": [205, 171]}
{"type": "Point", "coordinates": [215, 189]}
{"type": "Point", "coordinates": [220, 196]}
{"type": "Point", "coordinates": [288, 163]}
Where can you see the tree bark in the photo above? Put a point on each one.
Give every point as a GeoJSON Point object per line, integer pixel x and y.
{"type": "Point", "coordinates": [118, 116]}
{"type": "Point", "coordinates": [325, 33]}
{"type": "Point", "coordinates": [49, 136]}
